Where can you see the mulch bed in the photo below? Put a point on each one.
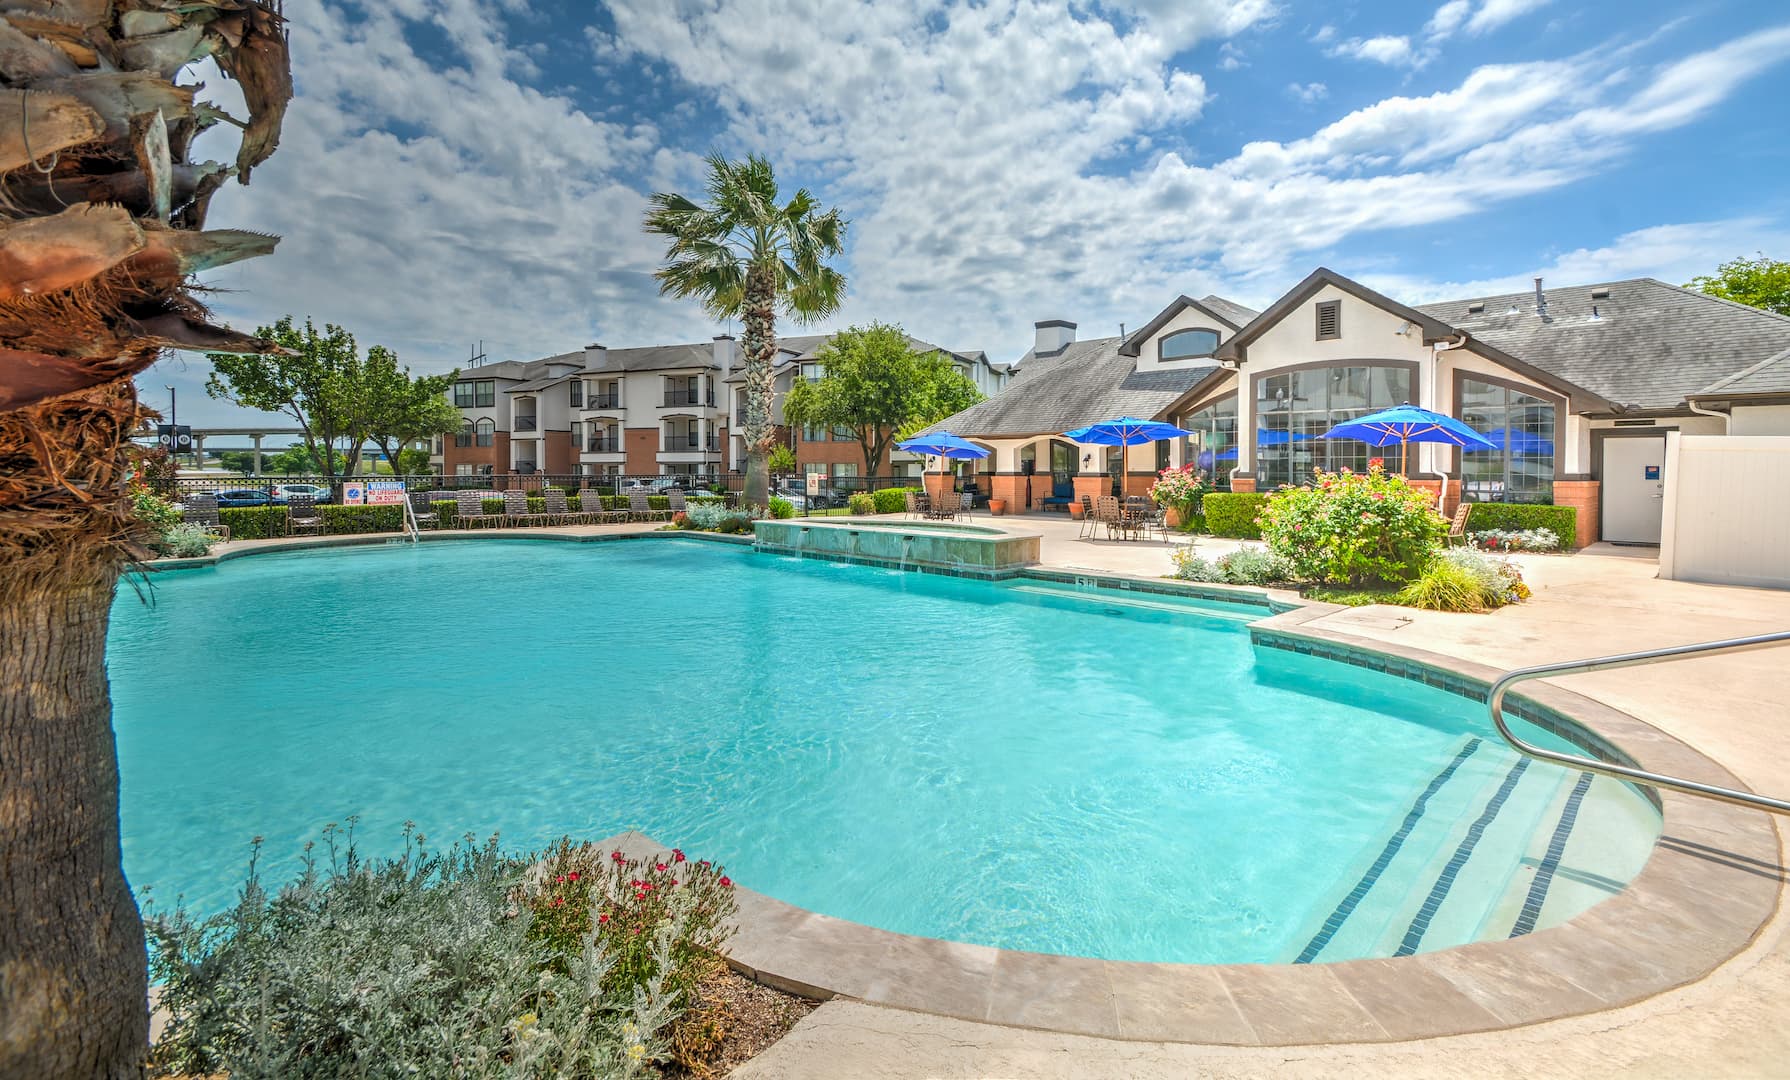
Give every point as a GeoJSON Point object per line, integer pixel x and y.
{"type": "Point", "coordinates": [750, 1016]}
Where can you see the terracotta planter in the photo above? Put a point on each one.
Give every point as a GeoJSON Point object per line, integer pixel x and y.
{"type": "Point", "coordinates": [997, 506]}
{"type": "Point", "coordinates": [1076, 510]}
{"type": "Point", "coordinates": [1173, 517]}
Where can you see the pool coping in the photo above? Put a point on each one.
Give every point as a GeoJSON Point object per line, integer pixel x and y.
{"type": "Point", "coordinates": [1710, 885]}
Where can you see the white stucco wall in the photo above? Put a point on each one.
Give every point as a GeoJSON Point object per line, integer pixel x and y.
{"type": "Point", "coordinates": [1187, 319]}
{"type": "Point", "coordinates": [1761, 420]}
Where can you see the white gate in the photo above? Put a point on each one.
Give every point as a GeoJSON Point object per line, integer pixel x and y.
{"type": "Point", "coordinates": [1632, 489]}
{"type": "Point", "coordinates": [1727, 510]}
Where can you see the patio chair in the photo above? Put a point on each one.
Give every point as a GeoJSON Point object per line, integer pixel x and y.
{"type": "Point", "coordinates": [469, 508]}
{"type": "Point", "coordinates": [302, 515]}
{"type": "Point", "coordinates": [944, 507]}
{"type": "Point", "coordinates": [1457, 528]}
{"type": "Point", "coordinates": [592, 508]}
{"type": "Point", "coordinates": [1088, 520]}
{"type": "Point", "coordinates": [639, 509]}
{"type": "Point", "coordinates": [968, 505]}
{"type": "Point", "coordinates": [1141, 514]}
{"type": "Point", "coordinates": [1061, 495]}
{"type": "Point", "coordinates": [558, 510]}
{"type": "Point", "coordinates": [201, 509]}
{"type": "Point", "coordinates": [422, 508]}
{"type": "Point", "coordinates": [1108, 513]}
{"type": "Point", "coordinates": [516, 511]}
{"type": "Point", "coordinates": [909, 506]}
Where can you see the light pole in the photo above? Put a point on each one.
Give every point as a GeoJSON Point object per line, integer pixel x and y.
{"type": "Point", "coordinates": [173, 422]}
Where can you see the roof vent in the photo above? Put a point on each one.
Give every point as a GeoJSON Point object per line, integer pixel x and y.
{"type": "Point", "coordinates": [1595, 317]}
{"type": "Point", "coordinates": [1476, 307]}
{"type": "Point", "coordinates": [1602, 292]}
{"type": "Point", "coordinates": [1541, 300]}
{"type": "Point", "coordinates": [1513, 310]}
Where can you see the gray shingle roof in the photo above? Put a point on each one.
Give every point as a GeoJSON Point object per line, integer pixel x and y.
{"type": "Point", "coordinates": [1651, 344]}
{"type": "Point", "coordinates": [1769, 376]}
{"type": "Point", "coordinates": [1087, 382]}
{"type": "Point", "coordinates": [1230, 309]}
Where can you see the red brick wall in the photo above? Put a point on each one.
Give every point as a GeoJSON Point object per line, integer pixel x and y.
{"type": "Point", "coordinates": [1243, 483]}
{"type": "Point", "coordinates": [556, 453]}
{"type": "Point", "coordinates": [1093, 485]}
{"type": "Point", "coordinates": [829, 453]}
{"type": "Point", "coordinates": [497, 455]}
{"type": "Point", "coordinates": [1585, 496]}
{"type": "Point", "coordinates": [642, 445]}
{"type": "Point", "coordinates": [1450, 500]}
{"type": "Point", "coordinates": [1013, 489]}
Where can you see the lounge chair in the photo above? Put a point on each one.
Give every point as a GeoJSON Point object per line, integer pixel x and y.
{"type": "Point", "coordinates": [302, 515]}
{"type": "Point", "coordinates": [1061, 495]}
{"type": "Point", "coordinates": [516, 511]}
{"type": "Point", "coordinates": [593, 509]}
{"type": "Point", "coordinates": [1457, 528]}
{"type": "Point", "coordinates": [558, 510]}
{"type": "Point", "coordinates": [675, 499]}
{"type": "Point", "coordinates": [422, 508]}
{"type": "Point", "coordinates": [639, 509]}
{"type": "Point", "coordinates": [469, 508]}
{"type": "Point", "coordinates": [201, 509]}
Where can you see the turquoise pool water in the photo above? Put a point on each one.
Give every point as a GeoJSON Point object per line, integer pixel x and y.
{"type": "Point", "coordinates": [1019, 765]}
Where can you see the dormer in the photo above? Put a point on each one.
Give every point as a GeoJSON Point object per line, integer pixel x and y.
{"type": "Point", "coordinates": [1183, 335]}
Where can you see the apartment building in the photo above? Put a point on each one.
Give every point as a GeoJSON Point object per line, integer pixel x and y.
{"type": "Point", "coordinates": [656, 410]}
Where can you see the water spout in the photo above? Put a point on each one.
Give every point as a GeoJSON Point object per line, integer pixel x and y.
{"type": "Point", "coordinates": [906, 543]}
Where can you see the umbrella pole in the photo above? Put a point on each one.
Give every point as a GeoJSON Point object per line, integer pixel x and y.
{"type": "Point", "coordinates": [1404, 447]}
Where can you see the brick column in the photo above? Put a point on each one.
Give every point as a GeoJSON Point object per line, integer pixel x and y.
{"type": "Point", "coordinates": [1449, 499]}
{"type": "Point", "coordinates": [1586, 497]}
{"type": "Point", "coordinates": [1093, 485]}
{"type": "Point", "coordinates": [1013, 489]}
{"type": "Point", "coordinates": [1243, 483]}
{"type": "Point", "coordinates": [937, 484]}
{"type": "Point", "coordinates": [1139, 483]}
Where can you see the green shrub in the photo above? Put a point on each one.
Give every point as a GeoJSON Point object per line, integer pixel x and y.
{"type": "Point", "coordinates": [1189, 566]}
{"type": "Point", "coordinates": [1233, 513]}
{"type": "Point", "coordinates": [1354, 527]}
{"type": "Point", "coordinates": [862, 503]}
{"type": "Point", "coordinates": [1245, 566]}
{"type": "Point", "coordinates": [156, 513]}
{"type": "Point", "coordinates": [429, 964]}
{"type": "Point", "coordinates": [782, 508]}
{"type": "Point", "coordinates": [186, 542]}
{"type": "Point", "coordinates": [254, 522]}
{"type": "Point", "coordinates": [1562, 521]}
{"type": "Point", "coordinates": [711, 516]}
{"type": "Point", "coordinates": [1444, 585]}
{"type": "Point", "coordinates": [1500, 580]}
{"type": "Point", "coordinates": [893, 500]}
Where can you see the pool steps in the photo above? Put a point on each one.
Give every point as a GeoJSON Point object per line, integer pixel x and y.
{"type": "Point", "coordinates": [1488, 849]}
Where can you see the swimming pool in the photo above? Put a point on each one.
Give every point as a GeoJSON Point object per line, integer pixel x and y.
{"type": "Point", "coordinates": [1022, 764]}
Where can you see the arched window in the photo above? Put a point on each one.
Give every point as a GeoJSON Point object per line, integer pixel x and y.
{"type": "Point", "coordinates": [484, 430]}
{"type": "Point", "coordinates": [1186, 344]}
{"type": "Point", "coordinates": [463, 437]}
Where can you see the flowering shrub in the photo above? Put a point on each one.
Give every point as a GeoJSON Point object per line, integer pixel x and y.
{"type": "Point", "coordinates": [1517, 540]}
{"type": "Point", "coordinates": [1462, 580]}
{"type": "Point", "coordinates": [862, 503]}
{"type": "Point", "coordinates": [782, 508]}
{"type": "Point", "coordinates": [1181, 489]}
{"type": "Point", "coordinates": [629, 903]}
{"type": "Point", "coordinates": [1354, 527]}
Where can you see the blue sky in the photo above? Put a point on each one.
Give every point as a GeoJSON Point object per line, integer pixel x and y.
{"type": "Point", "coordinates": [456, 171]}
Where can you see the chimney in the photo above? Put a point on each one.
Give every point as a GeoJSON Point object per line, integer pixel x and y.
{"type": "Point", "coordinates": [596, 357]}
{"type": "Point", "coordinates": [1541, 300]}
{"type": "Point", "coordinates": [1053, 336]}
{"type": "Point", "coordinates": [724, 350]}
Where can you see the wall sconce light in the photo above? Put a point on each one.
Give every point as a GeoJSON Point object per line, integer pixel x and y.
{"type": "Point", "coordinates": [1088, 458]}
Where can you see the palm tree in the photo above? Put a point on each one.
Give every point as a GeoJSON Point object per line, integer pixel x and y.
{"type": "Point", "coordinates": [101, 219]}
{"type": "Point", "coordinates": [745, 255]}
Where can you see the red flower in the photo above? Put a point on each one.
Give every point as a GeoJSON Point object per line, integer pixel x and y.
{"type": "Point", "coordinates": [726, 882]}
{"type": "Point", "coordinates": [674, 882]}
{"type": "Point", "coordinates": [640, 894]}
{"type": "Point", "coordinates": [573, 875]}
{"type": "Point", "coordinates": [676, 855]}
{"type": "Point", "coordinates": [704, 863]}
{"type": "Point", "coordinates": [559, 901]}
{"type": "Point", "coordinates": [602, 919]}
{"type": "Point", "coordinates": [659, 866]}
{"type": "Point", "coordinates": [617, 856]}
{"type": "Point", "coordinates": [560, 880]}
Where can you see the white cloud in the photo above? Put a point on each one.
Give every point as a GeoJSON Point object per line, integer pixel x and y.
{"type": "Point", "coordinates": [1492, 14]}
{"type": "Point", "coordinates": [1394, 51]}
{"type": "Point", "coordinates": [1308, 93]}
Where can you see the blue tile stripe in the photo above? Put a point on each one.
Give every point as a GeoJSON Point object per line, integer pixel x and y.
{"type": "Point", "coordinates": [1544, 874]}
{"type": "Point", "coordinates": [1347, 905]}
{"type": "Point", "coordinates": [1445, 881]}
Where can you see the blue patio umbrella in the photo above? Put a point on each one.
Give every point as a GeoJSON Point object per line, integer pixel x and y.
{"type": "Point", "coordinates": [1517, 441]}
{"type": "Point", "coordinates": [944, 444]}
{"type": "Point", "coordinates": [1406, 424]}
{"type": "Point", "coordinates": [1125, 431]}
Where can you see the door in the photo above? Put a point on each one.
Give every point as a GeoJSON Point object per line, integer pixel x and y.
{"type": "Point", "coordinates": [1634, 489]}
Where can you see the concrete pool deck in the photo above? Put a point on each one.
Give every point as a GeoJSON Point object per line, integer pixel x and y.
{"type": "Point", "coordinates": [1728, 1022]}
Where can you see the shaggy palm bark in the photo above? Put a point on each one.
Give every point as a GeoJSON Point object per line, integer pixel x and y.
{"type": "Point", "coordinates": [760, 344]}
{"type": "Point", "coordinates": [100, 218]}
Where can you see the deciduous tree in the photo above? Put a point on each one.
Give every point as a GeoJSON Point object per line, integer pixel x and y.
{"type": "Point", "coordinates": [1761, 283]}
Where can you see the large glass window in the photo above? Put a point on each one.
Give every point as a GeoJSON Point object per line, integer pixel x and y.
{"type": "Point", "coordinates": [1523, 426]}
{"type": "Point", "coordinates": [1184, 344]}
{"type": "Point", "coordinates": [484, 432]}
{"type": "Point", "coordinates": [1294, 409]}
{"type": "Point", "coordinates": [1212, 448]}
{"type": "Point", "coordinates": [475, 394]}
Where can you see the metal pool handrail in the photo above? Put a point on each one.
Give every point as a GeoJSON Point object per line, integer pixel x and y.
{"type": "Point", "coordinates": [1495, 705]}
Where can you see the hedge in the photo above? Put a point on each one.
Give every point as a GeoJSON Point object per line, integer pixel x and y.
{"type": "Point", "coordinates": [1233, 513]}
{"type": "Point", "coordinates": [893, 500]}
{"type": "Point", "coordinates": [1562, 521]}
{"type": "Point", "coordinates": [261, 522]}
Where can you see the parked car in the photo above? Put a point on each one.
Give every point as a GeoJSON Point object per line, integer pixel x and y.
{"type": "Point", "coordinates": [318, 492]}
{"type": "Point", "coordinates": [243, 497]}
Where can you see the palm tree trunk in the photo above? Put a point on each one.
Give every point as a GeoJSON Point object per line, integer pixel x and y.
{"type": "Point", "coordinates": [73, 990]}
{"type": "Point", "coordinates": [760, 345]}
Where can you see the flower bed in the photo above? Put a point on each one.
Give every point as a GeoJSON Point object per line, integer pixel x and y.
{"type": "Point", "coordinates": [1351, 527]}
{"type": "Point", "coordinates": [1181, 490]}
{"type": "Point", "coordinates": [1516, 540]}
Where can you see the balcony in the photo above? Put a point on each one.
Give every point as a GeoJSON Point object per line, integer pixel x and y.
{"type": "Point", "coordinates": [676, 398]}
{"type": "Point", "coordinates": [524, 423]}
{"type": "Point", "coordinates": [603, 401]}
{"type": "Point", "coordinates": [601, 445]}
{"type": "Point", "coordinates": [688, 443]}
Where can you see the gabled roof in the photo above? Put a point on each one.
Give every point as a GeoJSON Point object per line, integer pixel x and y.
{"type": "Point", "coordinates": [1085, 382]}
{"type": "Point", "coordinates": [1650, 345]}
{"type": "Point", "coordinates": [1769, 377]}
{"type": "Point", "coordinates": [1237, 347]}
{"type": "Point", "coordinates": [1232, 315]}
